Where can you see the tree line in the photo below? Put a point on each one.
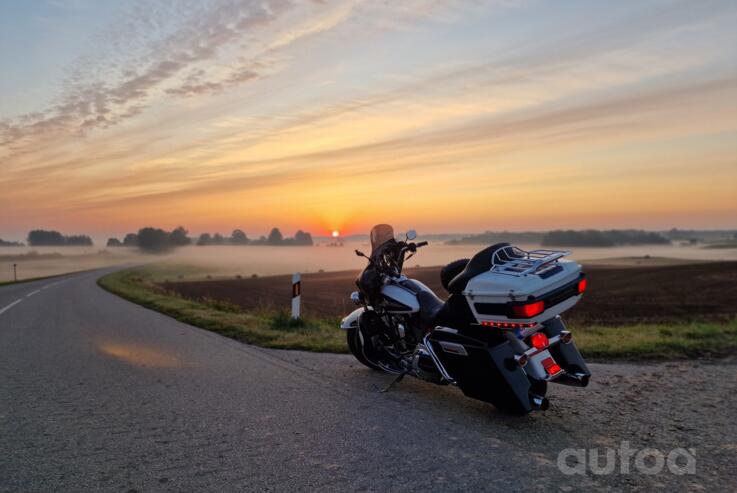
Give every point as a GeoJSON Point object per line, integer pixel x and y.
{"type": "Point", "coordinates": [568, 238]}
{"type": "Point", "coordinates": [4, 243]}
{"type": "Point", "coordinates": [157, 240]}
{"type": "Point", "coordinates": [609, 238]}
{"type": "Point", "coordinates": [492, 237]}
{"type": "Point", "coordinates": [42, 237]}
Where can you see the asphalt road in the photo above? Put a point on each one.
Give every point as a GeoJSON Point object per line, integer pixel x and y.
{"type": "Point", "coordinates": [99, 394]}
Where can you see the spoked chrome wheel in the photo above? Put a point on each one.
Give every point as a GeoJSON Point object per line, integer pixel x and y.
{"type": "Point", "coordinates": [355, 344]}
{"type": "Point", "coordinates": [366, 353]}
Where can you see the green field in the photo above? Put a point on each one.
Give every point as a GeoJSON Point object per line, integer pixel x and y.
{"type": "Point", "coordinates": [277, 330]}
{"type": "Point", "coordinates": [267, 329]}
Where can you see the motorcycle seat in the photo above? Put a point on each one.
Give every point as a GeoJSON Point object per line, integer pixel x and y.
{"type": "Point", "coordinates": [479, 263]}
{"type": "Point", "coordinates": [430, 304]}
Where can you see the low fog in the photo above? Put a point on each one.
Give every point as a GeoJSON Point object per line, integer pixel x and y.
{"type": "Point", "coordinates": [245, 261]}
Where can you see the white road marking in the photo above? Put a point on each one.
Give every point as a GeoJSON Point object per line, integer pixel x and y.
{"type": "Point", "coordinates": [32, 293]}
{"type": "Point", "coordinates": [54, 283]}
{"type": "Point", "coordinates": [3, 310]}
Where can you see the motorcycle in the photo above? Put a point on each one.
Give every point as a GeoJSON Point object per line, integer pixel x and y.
{"type": "Point", "coordinates": [499, 336]}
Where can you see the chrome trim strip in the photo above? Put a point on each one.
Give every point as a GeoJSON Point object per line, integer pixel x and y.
{"type": "Point", "coordinates": [436, 360]}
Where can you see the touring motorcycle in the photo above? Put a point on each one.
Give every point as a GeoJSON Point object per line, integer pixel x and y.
{"type": "Point", "coordinates": [498, 336]}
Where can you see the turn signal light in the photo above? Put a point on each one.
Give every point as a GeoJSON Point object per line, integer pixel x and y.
{"type": "Point", "coordinates": [582, 285]}
{"type": "Point", "coordinates": [539, 341]}
{"type": "Point", "coordinates": [529, 310]}
{"type": "Point", "coordinates": [565, 336]}
{"type": "Point", "coordinates": [521, 360]}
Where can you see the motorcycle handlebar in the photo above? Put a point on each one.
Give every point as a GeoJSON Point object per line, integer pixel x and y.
{"type": "Point", "coordinates": [412, 247]}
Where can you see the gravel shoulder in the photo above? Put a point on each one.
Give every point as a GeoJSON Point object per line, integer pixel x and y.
{"type": "Point", "coordinates": [663, 406]}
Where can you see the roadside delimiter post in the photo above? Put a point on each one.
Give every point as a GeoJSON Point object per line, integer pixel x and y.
{"type": "Point", "coordinates": [296, 293]}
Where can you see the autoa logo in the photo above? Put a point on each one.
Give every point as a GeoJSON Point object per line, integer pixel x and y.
{"type": "Point", "coordinates": [679, 461]}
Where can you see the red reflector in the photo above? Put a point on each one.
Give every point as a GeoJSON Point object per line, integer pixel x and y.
{"type": "Point", "coordinates": [528, 310]}
{"type": "Point", "coordinates": [539, 341]}
{"type": "Point", "coordinates": [582, 284]}
{"type": "Point", "coordinates": [551, 366]}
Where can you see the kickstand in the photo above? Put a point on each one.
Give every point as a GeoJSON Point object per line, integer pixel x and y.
{"type": "Point", "coordinates": [393, 382]}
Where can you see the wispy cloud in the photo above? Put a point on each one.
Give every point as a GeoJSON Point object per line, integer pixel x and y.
{"type": "Point", "coordinates": [91, 101]}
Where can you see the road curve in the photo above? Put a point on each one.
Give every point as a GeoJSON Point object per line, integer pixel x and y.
{"type": "Point", "coordinates": [97, 393]}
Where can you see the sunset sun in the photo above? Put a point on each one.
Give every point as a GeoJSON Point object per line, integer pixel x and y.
{"type": "Point", "coordinates": [336, 233]}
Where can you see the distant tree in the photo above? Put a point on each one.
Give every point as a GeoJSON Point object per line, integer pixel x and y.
{"type": "Point", "coordinates": [218, 239]}
{"type": "Point", "coordinates": [275, 237]}
{"type": "Point", "coordinates": [78, 240]}
{"type": "Point", "coordinates": [114, 242]}
{"type": "Point", "coordinates": [154, 240]}
{"type": "Point", "coordinates": [179, 237]}
{"type": "Point", "coordinates": [4, 243]}
{"type": "Point", "coordinates": [238, 237]}
{"type": "Point", "coordinates": [40, 237]}
{"type": "Point", "coordinates": [204, 239]}
{"type": "Point", "coordinates": [130, 240]}
{"type": "Point", "coordinates": [302, 238]}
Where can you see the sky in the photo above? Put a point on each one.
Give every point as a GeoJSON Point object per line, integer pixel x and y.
{"type": "Point", "coordinates": [444, 116]}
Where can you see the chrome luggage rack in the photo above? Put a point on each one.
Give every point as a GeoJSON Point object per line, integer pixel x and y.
{"type": "Point", "coordinates": [514, 261]}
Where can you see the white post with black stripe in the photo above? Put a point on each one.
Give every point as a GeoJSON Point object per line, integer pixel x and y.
{"type": "Point", "coordinates": [296, 293]}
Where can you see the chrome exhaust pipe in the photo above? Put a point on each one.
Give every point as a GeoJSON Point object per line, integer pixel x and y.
{"type": "Point", "coordinates": [573, 379]}
{"type": "Point", "coordinates": [539, 402]}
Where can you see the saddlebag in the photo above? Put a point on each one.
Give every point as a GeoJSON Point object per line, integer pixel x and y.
{"type": "Point", "coordinates": [482, 371]}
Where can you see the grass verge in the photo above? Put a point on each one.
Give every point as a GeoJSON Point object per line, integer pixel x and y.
{"type": "Point", "coordinates": [278, 330]}
{"type": "Point", "coordinates": [657, 342]}
{"type": "Point", "coordinates": [267, 329]}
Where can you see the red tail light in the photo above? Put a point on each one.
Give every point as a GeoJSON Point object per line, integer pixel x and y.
{"type": "Point", "coordinates": [582, 284]}
{"type": "Point", "coordinates": [539, 341]}
{"type": "Point", "coordinates": [529, 310]}
{"type": "Point", "coordinates": [507, 325]}
{"type": "Point", "coordinates": [554, 369]}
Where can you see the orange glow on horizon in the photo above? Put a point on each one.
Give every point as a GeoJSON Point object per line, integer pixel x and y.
{"type": "Point", "coordinates": [637, 130]}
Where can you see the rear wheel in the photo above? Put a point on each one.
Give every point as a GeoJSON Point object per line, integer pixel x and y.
{"type": "Point", "coordinates": [355, 344]}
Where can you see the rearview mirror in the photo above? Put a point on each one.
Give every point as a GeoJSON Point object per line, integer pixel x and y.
{"type": "Point", "coordinates": [411, 234]}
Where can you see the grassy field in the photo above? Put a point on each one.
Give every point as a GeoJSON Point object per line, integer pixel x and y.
{"type": "Point", "coordinates": [270, 329]}
{"type": "Point", "coordinates": [276, 330]}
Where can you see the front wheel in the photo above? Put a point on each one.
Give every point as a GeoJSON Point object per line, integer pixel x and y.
{"type": "Point", "coordinates": [355, 344]}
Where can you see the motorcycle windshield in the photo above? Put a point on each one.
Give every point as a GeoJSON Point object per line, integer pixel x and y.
{"type": "Point", "coordinates": [380, 234]}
